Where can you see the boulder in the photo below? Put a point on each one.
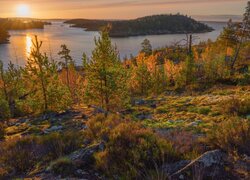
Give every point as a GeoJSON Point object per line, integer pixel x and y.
{"type": "Point", "coordinates": [143, 116]}
{"type": "Point", "coordinates": [84, 156]}
{"type": "Point", "coordinates": [169, 169]}
{"type": "Point", "coordinates": [53, 129]}
{"type": "Point", "coordinates": [208, 166]}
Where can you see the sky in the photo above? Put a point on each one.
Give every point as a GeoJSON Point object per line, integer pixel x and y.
{"type": "Point", "coordinates": [118, 9]}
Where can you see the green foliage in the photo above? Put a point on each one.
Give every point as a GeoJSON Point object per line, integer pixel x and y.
{"type": "Point", "coordinates": [187, 75]}
{"type": "Point", "coordinates": [4, 109]}
{"type": "Point", "coordinates": [204, 110]}
{"type": "Point", "coordinates": [11, 89]}
{"type": "Point", "coordinates": [215, 68]}
{"type": "Point", "coordinates": [143, 78]}
{"type": "Point", "coordinates": [231, 135]}
{"type": "Point", "coordinates": [229, 35]}
{"type": "Point", "coordinates": [146, 47]}
{"type": "Point", "coordinates": [105, 76]}
{"type": "Point", "coordinates": [68, 61]}
{"type": "Point", "coordinates": [149, 25]}
{"type": "Point", "coordinates": [42, 80]}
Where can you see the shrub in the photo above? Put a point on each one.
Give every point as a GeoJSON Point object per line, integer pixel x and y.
{"type": "Point", "coordinates": [232, 135]}
{"type": "Point", "coordinates": [19, 154]}
{"type": "Point", "coordinates": [131, 148]}
{"type": "Point", "coordinates": [99, 127]}
{"type": "Point", "coordinates": [55, 145]}
{"type": "Point", "coordinates": [184, 143]}
{"type": "Point", "coordinates": [236, 106]}
{"type": "Point", "coordinates": [204, 110]}
{"type": "Point", "coordinates": [2, 131]}
{"type": "Point", "coordinates": [22, 154]}
{"type": "Point", "coordinates": [63, 167]}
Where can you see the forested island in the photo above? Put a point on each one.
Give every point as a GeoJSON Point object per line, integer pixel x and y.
{"type": "Point", "coordinates": [149, 25]}
{"type": "Point", "coordinates": [7, 24]}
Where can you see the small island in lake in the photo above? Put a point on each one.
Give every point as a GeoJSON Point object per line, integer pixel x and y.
{"type": "Point", "coordinates": [149, 25]}
{"type": "Point", "coordinates": [7, 24]}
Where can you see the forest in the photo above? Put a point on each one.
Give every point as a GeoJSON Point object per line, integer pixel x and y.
{"type": "Point", "coordinates": [178, 112]}
{"type": "Point", "coordinates": [150, 25]}
{"type": "Point", "coordinates": [7, 24]}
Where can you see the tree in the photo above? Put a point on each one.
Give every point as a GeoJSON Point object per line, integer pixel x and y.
{"type": "Point", "coordinates": [105, 75]}
{"type": "Point", "coordinates": [41, 78]}
{"type": "Point", "coordinates": [140, 80]}
{"type": "Point", "coordinates": [235, 34]}
{"type": "Point", "coordinates": [244, 34]}
{"type": "Point", "coordinates": [146, 47]}
{"type": "Point", "coordinates": [68, 61]}
{"type": "Point", "coordinates": [11, 86]}
{"type": "Point", "coordinates": [229, 35]}
{"type": "Point", "coordinates": [189, 70]}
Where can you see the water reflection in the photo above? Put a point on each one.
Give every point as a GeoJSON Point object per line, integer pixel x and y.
{"type": "Point", "coordinates": [28, 45]}
{"type": "Point", "coordinates": [79, 41]}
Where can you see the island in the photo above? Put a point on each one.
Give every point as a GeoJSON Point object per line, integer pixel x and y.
{"type": "Point", "coordinates": [149, 25]}
{"type": "Point", "coordinates": [7, 24]}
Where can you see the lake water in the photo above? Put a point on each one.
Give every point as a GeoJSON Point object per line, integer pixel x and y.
{"type": "Point", "coordinates": [79, 41]}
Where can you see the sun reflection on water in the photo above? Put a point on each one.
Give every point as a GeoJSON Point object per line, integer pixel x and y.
{"type": "Point", "coordinates": [28, 45]}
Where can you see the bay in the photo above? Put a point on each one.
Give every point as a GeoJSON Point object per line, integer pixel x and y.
{"type": "Point", "coordinates": [78, 41]}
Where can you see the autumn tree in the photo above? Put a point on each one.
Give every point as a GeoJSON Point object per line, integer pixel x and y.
{"type": "Point", "coordinates": [105, 75]}
{"type": "Point", "coordinates": [140, 79]}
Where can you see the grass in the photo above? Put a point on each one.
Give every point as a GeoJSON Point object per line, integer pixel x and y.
{"type": "Point", "coordinates": [181, 111]}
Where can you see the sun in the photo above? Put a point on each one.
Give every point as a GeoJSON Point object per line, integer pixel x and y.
{"type": "Point", "coordinates": [23, 10]}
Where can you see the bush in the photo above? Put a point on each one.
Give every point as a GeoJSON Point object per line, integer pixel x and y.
{"type": "Point", "coordinates": [130, 148]}
{"type": "Point", "coordinates": [235, 106]}
{"type": "Point", "coordinates": [232, 135]}
{"type": "Point", "coordinates": [99, 127]}
{"type": "Point", "coordinates": [22, 154]}
{"type": "Point", "coordinates": [2, 131]}
{"type": "Point", "coordinates": [56, 145]}
{"type": "Point", "coordinates": [19, 154]}
{"type": "Point", "coordinates": [184, 143]}
{"type": "Point", "coordinates": [204, 110]}
{"type": "Point", "coordinates": [4, 109]}
{"type": "Point", "coordinates": [63, 167]}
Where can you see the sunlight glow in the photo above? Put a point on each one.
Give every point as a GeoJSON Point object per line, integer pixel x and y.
{"type": "Point", "coordinates": [23, 10]}
{"type": "Point", "coordinates": [28, 45]}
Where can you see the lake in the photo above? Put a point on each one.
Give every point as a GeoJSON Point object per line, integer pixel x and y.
{"type": "Point", "coordinates": [79, 41]}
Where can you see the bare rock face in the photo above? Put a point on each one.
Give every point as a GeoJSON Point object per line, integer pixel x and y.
{"type": "Point", "coordinates": [208, 166]}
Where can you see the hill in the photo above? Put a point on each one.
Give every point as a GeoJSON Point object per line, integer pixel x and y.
{"type": "Point", "coordinates": [149, 25]}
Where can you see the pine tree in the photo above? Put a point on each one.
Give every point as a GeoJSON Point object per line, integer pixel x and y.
{"type": "Point", "coordinates": [105, 75]}
{"type": "Point", "coordinates": [146, 47]}
{"type": "Point", "coordinates": [68, 62]}
{"type": "Point", "coordinates": [41, 78]}
{"type": "Point", "coordinates": [11, 86]}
